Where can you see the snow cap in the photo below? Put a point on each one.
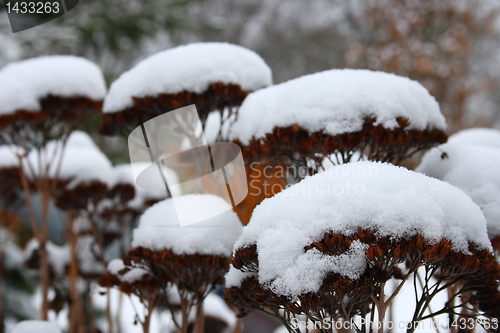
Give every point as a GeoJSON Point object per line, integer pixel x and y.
{"type": "Point", "coordinates": [477, 136]}
{"type": "Point", "coordinates": [190, 68]}
{"type": "Point", "coordinates": [159, 227]}
{"type": "Point", "coordinates": [336, 102]}
{"type": "Point", "coordinates": [383, 198]}
{"type": "Point", "coordinates": [82, 161]}
{"type": "Point", "coordinates": [471, 167]}
{"type": "Point", "coordinates": [24, 83]}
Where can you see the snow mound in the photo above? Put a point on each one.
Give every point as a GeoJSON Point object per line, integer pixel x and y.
{"type": "Point", "coordinates": [477, 136]}
{"type": "Point", "coordinates": [473, 169]}
{"type": "Point", "coordinates": [388, 200]}
{"type": "Point", "coordinates": [30, 326]}
{"type": "Point", "coordinates": [159, 227]}
{"type": "Point", "coordinates": [80, 160]}
{"type": "Point", "coordinates": [336, 102]}
{"type": "Point", "coordinates": [191, 68]}
{"type": "Point", "coordinates": [24, 83]}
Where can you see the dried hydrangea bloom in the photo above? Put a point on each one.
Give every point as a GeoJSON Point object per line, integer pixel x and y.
{"type": "Point", "coordinates": [470, 161]}
{"type": "Point", "coordinates": [341, 115]}
{"type": "Point", "coordinates": [326, 247]}
{"type": "Point", "coordinates": [213, 76]}
{"type": "Point", "coordinates": [47, 96]}
{"type": "Point", "coordinates": [193, 259]}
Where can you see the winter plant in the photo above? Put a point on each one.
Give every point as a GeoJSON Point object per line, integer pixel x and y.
{"type": "Point", "coordinates": [344, 236]}
{"type": "Point", "coordinates": [470, 162]}
{"type": "Point", "coordinates": [188, 261]}
{"type": "Point", "coordinates": [352, 230]}
{"type": "Point", "coordinates": [45, 99]}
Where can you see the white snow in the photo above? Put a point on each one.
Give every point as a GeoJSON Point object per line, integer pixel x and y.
{"type": "Point", "coordinates": [214, 306]}
{"type": "Point", "coordinates": [87, 249]}
{"type": "Point", "coordinates": [478, 136]}
{"type": "Point", "coordinates": [30, 326]}
{"type": "Point", "coordinates": [82, 161]}
{"type": "Point", "coordinates": [115, 266]}
{"type": "Point", "coordinates": [474, 169]}
{"type": "Point", "coordinates": [160, 229]}
{"type": "Point", "coordinates": [388, 200]}
{"type": "Point", "coordinates": [191, 68]}
{"type": "Point", "coordinates": [24, 83]}
{"type": "Point", "coordinates": [134, 274]}
{"type": "Point", "coordinates": [234, 276]}
{"type": "Point", "coordinates": [336, 102]}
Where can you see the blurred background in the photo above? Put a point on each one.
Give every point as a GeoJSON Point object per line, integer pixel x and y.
{"type": "Point", "coordinates": [452, 47]}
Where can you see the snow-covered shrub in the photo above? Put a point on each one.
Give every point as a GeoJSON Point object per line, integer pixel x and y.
{"type": "Point", "coordinates": [213, 76]}
{"type": "Point", "coordinates": [42, 100]}
{"type": "Point", "coordinates": [327, 247]}
{"type": "Point", "coordinates": [341, 115]}
{"type": "Point", "coordinates": [47, 97]}
{"type": "Point", "coordinates": [191, 259]}
{"type": "Point", "coordinates": [470, 161]}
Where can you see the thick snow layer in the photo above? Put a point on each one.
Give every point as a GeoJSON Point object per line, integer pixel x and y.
{"type": "Point", "coordinates": [389, 200]}
{"type": "Point", "coordinates": [82, 161]}
{"type": "Point", "coordinates": [30, 326]}
{"type": "Point", "coordinates": [191, 68]}
{"type": "Point", "coordinates": [478, 136]}
{"type": "Point", "coordinates": [160, 229]}
{"type": "Point", "coordinates": [473, 169]}
{"type": "Point", "coordinates": [336, 102]}
{"type": "Point", "coordinates": [24, 83]}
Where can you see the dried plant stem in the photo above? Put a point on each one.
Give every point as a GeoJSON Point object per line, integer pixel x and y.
{"type": "Point", "coordinates": [27, 194]}
{"type": "Point", "coordinates": [44, 258]}
{"type": "Point", "coordinates": [237, 326]}
{"type": "Point", "coordinates": [109, 316]}
{"type": "Point", "coordinates": [75, 305]}
{"type": "Point", "coordinates": [200, 319]}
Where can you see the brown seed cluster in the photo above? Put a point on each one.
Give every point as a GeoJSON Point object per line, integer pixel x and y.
{"type": "Point", "coordinates": [288, 145]}
{"type": "Point", "coordinates": [195, 273]}
{"type": "Point", "coordinates": [54, 109]}
{"type": "Point", "coordinates": [217, 96]}
{"type": "Point", "coordinates": [387, 258]}
{"type": "Point", "coordinates": [10, 186]}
